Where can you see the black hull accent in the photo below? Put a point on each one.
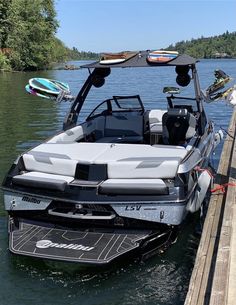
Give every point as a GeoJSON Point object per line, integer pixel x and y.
{"type": "Point", "coordinates": [100, 246]}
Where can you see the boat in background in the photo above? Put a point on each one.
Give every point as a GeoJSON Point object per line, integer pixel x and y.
{"type": "Point", "coordinates": [123, 181]}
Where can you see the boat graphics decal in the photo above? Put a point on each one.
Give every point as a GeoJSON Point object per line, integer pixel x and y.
{"type": "Point", "coordinates": [31, 199]}
{"type": "Point", "coordinates": [171, 214]}
{"type": "Point", "coordinates": [19, 202]}
{"type": "Point", "coordinates": [133, 207]}
{"type": "Point", "coordinates": [44, 244]}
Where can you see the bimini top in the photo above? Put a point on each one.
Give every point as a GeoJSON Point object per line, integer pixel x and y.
{"type": "Point", "coordinates": [142, 59]}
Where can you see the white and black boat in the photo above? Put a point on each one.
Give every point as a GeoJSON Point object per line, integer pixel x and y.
{"type": "Point", "coordinates": [120, 182]}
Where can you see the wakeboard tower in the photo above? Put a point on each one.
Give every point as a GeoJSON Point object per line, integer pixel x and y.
{"type": "Point", "coordinates": [120, 183]}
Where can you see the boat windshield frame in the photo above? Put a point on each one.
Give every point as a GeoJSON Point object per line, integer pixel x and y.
{"type": "Point", "coordinates": [117, 103]}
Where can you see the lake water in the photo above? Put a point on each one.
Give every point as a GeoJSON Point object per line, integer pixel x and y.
{"type": "Point", "coordinates": [26, 121]}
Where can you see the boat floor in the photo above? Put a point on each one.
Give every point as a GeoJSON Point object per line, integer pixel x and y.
{"type": "Point", "coordinates": [83, 246]}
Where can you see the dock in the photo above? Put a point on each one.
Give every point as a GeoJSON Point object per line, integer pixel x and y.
{"type": "Point", "coordinates": [213, 279]}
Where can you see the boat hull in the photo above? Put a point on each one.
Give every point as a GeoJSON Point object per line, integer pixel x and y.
{"type": "Point", "coordinates": [154, 212]}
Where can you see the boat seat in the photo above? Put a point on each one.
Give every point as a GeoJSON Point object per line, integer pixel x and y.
{"type": "Point", "coordinates": [79, 132]}
{"type": "Point", "coordinates": [116, 128]}
{"type": "Point", "coordinates": [153, 168]}
{"type": "Point", "coordinates": [155, 120]}
{"type": "Point", "coordinates": [43, 180]}
{"type": "Point", "coordinates": [122, 161]}
{"type": "Point", "coordinates": [68, 136]}
{"type": "Point", "coordinates": [133, 187]}
{"type": "Point", "coordinates": [155, 125]}
{"type": "Point", "coordinates": [139, 161]}
{"type": "Point", "coordinates": [178, 126]}
{"type": "Point", "coordinates": [62, 158]}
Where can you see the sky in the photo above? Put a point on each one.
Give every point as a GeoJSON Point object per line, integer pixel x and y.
{"type": "Point", "coordinates": [118, 25]}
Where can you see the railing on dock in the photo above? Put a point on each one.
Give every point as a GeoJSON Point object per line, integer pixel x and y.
{"type": "Point", "coordinates": [213, 280]}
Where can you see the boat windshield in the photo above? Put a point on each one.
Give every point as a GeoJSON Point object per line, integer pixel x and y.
{"type": "Point", "coordinates": [183, 102]}
{"type": "Point", "coordinates": [118, 104]}
{"type": "Point", "coordinates": [127, 103]}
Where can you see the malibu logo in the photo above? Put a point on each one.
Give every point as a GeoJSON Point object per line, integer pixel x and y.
{"type": "Point", "coordinates": [31, 199]}
{"type": "Point", "coordinates": [44, 244]}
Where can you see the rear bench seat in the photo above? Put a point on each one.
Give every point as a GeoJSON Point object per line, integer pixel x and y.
{"type": "Point", "coordinates": [123, 160]}
{"type": "Point", "coordinates": [62, 159]}
{"type": "Point", "coordinates": [53, 165]}
{"type": "Point", "coordinates": [127, 161]}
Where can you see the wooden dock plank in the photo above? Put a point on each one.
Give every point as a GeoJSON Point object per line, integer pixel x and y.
{"type": "Point", "coordinates": [213, 254]}
{"type": "Point", "coordinates": [223, 286]}
{"type": "Point", "coordinates": [231, 295]}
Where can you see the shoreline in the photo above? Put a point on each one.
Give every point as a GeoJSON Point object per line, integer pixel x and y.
{"type": "Point", "coordinates": [71, 67]}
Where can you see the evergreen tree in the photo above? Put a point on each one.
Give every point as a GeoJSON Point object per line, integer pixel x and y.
{"type": "Point", "coordinates": [218, 46]}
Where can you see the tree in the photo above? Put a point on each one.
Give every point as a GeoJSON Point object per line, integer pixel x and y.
{"type": "Point", "coordinates": [4, 22]}
{"type": "Point", "coordinates": [33, 25]}
{"type": "Point", "coordinates": [222, 46]}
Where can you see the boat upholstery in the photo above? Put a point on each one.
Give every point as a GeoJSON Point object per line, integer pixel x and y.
{"type": "Point", "coordinates": [155, 120]}
{"type": "Point", "coordinates": [178, 126]}
{"type": "Point", "coordinates": [62, 159]}
{"type": "Point", "coordinates": [123, 160]}
{"type": "Point", "coordinates": [133, 187]}
{"type": "Point", "coordinates": [42, 180]}
{"type": "Point", "coordinates": [119, 127]}
{"type": "Point", "coordinates": [79, 132]}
